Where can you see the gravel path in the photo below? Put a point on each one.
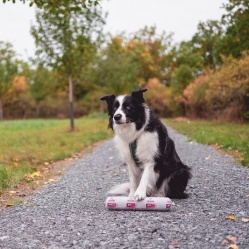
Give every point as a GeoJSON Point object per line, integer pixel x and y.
{"type": "Point", "coordinates": [70, 213]}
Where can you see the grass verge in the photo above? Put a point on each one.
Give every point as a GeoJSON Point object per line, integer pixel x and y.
{"type": "Point", "coordinates": [231, 137]}
{"type": "Point", "coordinates": [28, 145]}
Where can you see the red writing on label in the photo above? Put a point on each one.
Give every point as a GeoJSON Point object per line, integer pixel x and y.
{"type": "Point", "coordinates": [131, 205]}
{"type": "Point", "coordinates": [111, 204]}
{"type": "Point", "coordinates": [168, 205]}
{"type": "Point", "coordinates": [150, 205]}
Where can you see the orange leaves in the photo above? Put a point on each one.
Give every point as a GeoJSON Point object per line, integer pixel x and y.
{"type": "Point", "coordinates": [19, 85]}
{"type": "Point", "coordinates": [233, 247]}
{"type": "Point", "coordinates": [232, 240]}
{"type": "Point", "coordinates": [231, 217]}
{"type": "Point", "coordinates": [223, 90]}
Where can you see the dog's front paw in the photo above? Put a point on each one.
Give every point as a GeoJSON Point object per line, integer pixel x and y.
{"type": "Point", "coordinates": [139, 195]}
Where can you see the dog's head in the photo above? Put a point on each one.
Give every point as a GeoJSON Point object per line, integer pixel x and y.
{"type": "Point", "coordinates": [125, 109]}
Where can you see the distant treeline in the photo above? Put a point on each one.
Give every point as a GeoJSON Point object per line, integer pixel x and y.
{"type": "Point", "coordinates": [205, 77]}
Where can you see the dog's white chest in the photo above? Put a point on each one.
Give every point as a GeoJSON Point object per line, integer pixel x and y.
{"type": "Point", "coordinates": [143, 150]}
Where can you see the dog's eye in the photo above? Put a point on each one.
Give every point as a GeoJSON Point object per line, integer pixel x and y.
{"type": "Point", "coordinates": [128, 107]}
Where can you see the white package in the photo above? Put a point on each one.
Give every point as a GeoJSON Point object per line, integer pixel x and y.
{"type": "Point", "coordinates": [129, 203]}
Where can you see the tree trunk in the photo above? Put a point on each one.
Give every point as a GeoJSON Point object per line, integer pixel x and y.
{"type": "Point", "coordinates": [1, 110]}
{"type": "Point", "coordinates": [71, 109]}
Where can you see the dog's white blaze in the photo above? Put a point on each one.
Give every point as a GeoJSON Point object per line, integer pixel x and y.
{"type": "Point", "coordinates": [120, 99]}
{"type": "Point", "coordinates": [127, 132]}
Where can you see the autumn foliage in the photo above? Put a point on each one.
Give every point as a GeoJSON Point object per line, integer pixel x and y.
{"type": "Point", "coordinates": [221, 94]}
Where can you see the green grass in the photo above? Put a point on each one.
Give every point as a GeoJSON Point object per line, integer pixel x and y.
{"type": "Point", "coordinates": [234, 138]}
{"type": "Point", "coordinates": [25, 145]}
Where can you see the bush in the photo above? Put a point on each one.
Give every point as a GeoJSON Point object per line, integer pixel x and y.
{"type": "Point", "coordinates": [228, 92]}
{"type": "Point", "coordinates": [158, 97]}
{"type": "Point", "coordinates": [194, 97]}
{"type": "Point", "coordinates": [222, 94]}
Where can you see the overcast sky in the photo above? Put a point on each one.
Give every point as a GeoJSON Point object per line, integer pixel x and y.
{"type": "Point", "coordinates": [178, 16]}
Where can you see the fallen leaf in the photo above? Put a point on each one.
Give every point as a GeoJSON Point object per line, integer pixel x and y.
{"type": "Point", "coordinates": [245, 220]}
{"type": "Point", "coordinates": [224, 242]}
{"type": "Point", "coordinates": [33, 175]}
{"type": "Point", "coordinates": [8, 204]}
{"type": "Point", "coordinates": [173, 243]}
{"type": "Point", "coordinates": [233, 247]}
{"type": "Point", "coordinates": [232, 239]}
{"type": "Point", "coordinates": [231, 217]}
{"type": "Point", "coordinates": [52, 180]}
{"type": "Point", "coordinates": [12, 192]}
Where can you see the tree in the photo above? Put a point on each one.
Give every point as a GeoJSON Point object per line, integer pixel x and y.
{"type": "Point", "coordinates": [153, 53]}
{"type": "Point", "coordinates": [62, 37]}
{"type": "Point", "coordinates": [41, 81]}
{"type": "Point", "coordinates": [204, 42]}
{"type": "Point", "coordinates": [54, 4]}
{"type": "Point", "coordinates": [8, 69]}
{"type": "Point", "coordinates": [117, 68]}
{"type": "Point", "coordinates": [185, 54]}
{"type": "Point", "coordinates": [235, 40]}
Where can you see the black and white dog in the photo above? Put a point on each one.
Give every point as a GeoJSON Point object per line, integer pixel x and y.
{"type": "Point", "coordinates": [154, 167]}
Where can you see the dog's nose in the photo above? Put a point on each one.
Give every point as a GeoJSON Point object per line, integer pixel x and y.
{"type": "Point", "coordinates": [117, 117]}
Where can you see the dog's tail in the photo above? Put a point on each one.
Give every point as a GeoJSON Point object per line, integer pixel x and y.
{"type": "Point", "coordinates": [122, 189]}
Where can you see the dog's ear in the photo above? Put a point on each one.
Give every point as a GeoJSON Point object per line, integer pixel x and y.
{"type": "Point", "coordinates": [139, 94]}
{"type": "Point", "coordinates": [109, 99]}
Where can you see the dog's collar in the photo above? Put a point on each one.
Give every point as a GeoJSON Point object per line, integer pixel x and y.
{"type": "Point", "coordinates": [133, 149]}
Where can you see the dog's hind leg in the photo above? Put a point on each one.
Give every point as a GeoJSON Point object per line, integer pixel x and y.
{"type": "Point", "coordinates": [178, 183]}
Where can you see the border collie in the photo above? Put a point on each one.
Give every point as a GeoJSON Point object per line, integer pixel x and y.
{"type": "Point", "coordinates": [154, 167]}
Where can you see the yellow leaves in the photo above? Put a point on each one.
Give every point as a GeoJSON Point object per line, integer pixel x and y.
{"type": "Point", "coordinates": [233, 247]}
{"type": "Point", "coordinates": [231, 217]}
{"type": "Point", "coordinates": [33, 175]}
{"type": "Point", "coordinates": [9, 204]}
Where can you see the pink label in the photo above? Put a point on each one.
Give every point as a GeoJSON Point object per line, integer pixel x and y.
{"type": "Point", "coordinates": [131, 205]}
{"type": "Point", "coordinates": [111, 204]}
{"type": "Point", "coordinates": [150, 205]}
{"type": "Point", "coordinates": [168, 205]}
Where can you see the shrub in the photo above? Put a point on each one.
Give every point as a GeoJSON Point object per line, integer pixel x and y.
{"type": "Point", "coordinates": [221, 94]}
{"type": "Point", "coordinates": [228, 92]}
{"type": "Point", "coordinates": [194, 97]}
{"type": "Point", "coordinates": [158, 97]}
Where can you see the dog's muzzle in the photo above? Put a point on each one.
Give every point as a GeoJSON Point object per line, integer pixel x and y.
{"type": "Point", "coordinates": [117, 117]}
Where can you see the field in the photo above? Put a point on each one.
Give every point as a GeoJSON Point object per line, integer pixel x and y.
{"type": "Point", "coordinates": [230, 137]}
{"type": "Point", "coordinates": [27, 145]}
